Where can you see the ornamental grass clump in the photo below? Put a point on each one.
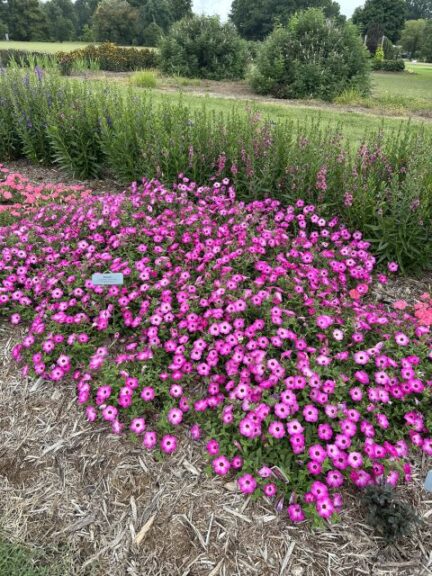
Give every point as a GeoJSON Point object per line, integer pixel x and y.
{"type": "Point", "coordinates": [246, 324]}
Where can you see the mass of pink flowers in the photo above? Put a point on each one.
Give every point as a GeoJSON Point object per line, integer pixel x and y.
{"type": "Point", "coordinates": [245, 325]}
{"type": "Point", "coordinates": [18, 193]}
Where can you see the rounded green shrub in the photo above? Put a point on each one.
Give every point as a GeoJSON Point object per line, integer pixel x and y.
{"type": "Point", "coordinates": [203, 47]}
{"type": "Point", "coordinates": [312, 57]}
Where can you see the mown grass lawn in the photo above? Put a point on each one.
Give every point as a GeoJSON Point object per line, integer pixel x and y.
{"type": "Point", "coordinates": [408, 92]}
{"type": "Point", "coordinates": [353, 125]}
{"type": "Point", "coordinates": [46, 47]}
{"type": "Point", "coordinates": [415, 82]}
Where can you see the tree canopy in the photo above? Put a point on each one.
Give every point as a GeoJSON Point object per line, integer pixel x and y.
{"type": "Point", "coordinates": [255, 19]}
{"type": "Point", "coordinates": [26, 20]}
{"type": "Point", "coordinates": [115, 21]}
{"type": "Point", "coordinates": [412, 37]}
{"type": "Point", "coordinates": [382, 17]}
{"type": "Point", "coordinates": [418, 9]}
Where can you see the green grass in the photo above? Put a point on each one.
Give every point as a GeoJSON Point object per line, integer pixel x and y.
{"type": "Point", "coordinates": [47, 47]}
{"type": "Point", "coordinates": [144, 79]}
{"type": "Point", "coordinates": [353, 125]}
{"type": "Point", "coordinates": [415, 82]}
{"type": "Point", "coordinates": [16, 560]}
{"type": "Point", "coordinates": [402, 93]}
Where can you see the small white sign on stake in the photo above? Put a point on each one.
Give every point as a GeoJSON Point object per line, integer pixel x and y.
{"type": "Point", "coordinates": [428, 482]}
{"type": "Point", "coordinates": [107, 279]}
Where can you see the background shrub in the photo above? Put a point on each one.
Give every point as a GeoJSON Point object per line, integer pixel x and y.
{"type": "Point", "coordinates": [203, 47]}
{"type": "Point", "coordinates": [25, 58]}
{"type": "Point", "coordinates": [152, 34]}
{"type": "Point", "coordinates": [312, 57]}
{"type": "Point", "coordinates": [388, 65]}
{"type": "Point", "coordinates": [109, 57]}
{"type": "Point", "coordinates": [426, 50]}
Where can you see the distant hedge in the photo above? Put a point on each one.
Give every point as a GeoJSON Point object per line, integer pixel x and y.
{"type": "Point", "coordinates": [388, 65]}
{"type": "Point", "coordinates": [110, 57]}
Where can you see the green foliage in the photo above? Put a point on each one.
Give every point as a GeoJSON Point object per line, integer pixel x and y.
{"type": "Point", "coordinates": [203, 47]}
{"type": "Point", "coordinates": [3, 29]}
{"type": "Point", "coordinates": [17, 560]}
{"type": "Point", "coordinates": [109, 57]}
{"type": "Point", "coordinates": [397, 65]}
{"type": "Point", "coordinates": [417, 9]}
{"type": "Point", "coordinates": [115, 21]}
{"type": "Point", "coordinates": [385, 189]}
{"type": "Point", "coordinates": [426, 51]}
{"type": "Point", "coordinates": [144, 79]}
{"type": "Point", "coordinates": [379, 54]}
{"type": "Point", "coordinates": [62, 20]}
{"type": "Point", "coordinates": [155, 12]}
{"type": "Point", "coordinates": [84, 10]}
{"type": "Point", "coordinates": [412, 37]}
{"type": "Point", "coordinates": [391, 518]}
{"type": "Point", "coordinates": [87, 34]}
{"type": "Point", "coordinates": [21, 58]}
{"type": "Point", "coordinates": [390, 51]}
{"type": "Point", "coordinates": [312, 57]}
{"type": "Point", "coordinates": [255, 19]}
{"type": "Point", "coordinates": [180, 9]}
{"type": "Point", "coordinates": [152, 35]}
{"type": "Point", "coordinates": [381, 18]}
{"type": "Point", "coordinates": [26, 20]}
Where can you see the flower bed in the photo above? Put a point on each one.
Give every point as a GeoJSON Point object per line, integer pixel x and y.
{"type": "Point", "coordinates": [19, 196]}
{"type": "Point", "coordinates": [247, 322]}
{"type": "Point", "coordinates": [90, 129]}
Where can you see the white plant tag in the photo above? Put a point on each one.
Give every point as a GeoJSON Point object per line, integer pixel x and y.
{"type": "Point", "coordinates": [428, 482]}
{"type": "Point", "coordinates": [108, 279]}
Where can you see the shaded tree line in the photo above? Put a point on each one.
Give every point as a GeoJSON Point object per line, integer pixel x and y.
{"type": "Point", "coordinates": [389, 18]}
{"type": "Point", "coordinates": [120, 21]}
{"type": "Point", "coordinates": [143, 22]}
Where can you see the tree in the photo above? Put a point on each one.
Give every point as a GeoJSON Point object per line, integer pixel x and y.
{"type": "Point", "coordinates": [3, 30]}
{"type": "Point", "coordinates": [419, 9]}
{"type": "Point", "coordinates": [255, 19]}
{"type": "Point", "coordinates": [203, 47]}
{"type": "Point", "coordinates": [427, 42]}
{"type": "Point", "coordinates": [156, 12]}
{"type": "Point", "coordinates": [151, 35]}
{"type": "Point", "coordinates": [412, 37]}
{"type": "Point", "coordinates": [385, 17]}
{"type": "Point", "coordinates": [84, 10]}
{"type": "Point", "coordinates": [115, 21]}
{"type": "Point", "coordinates": [180, 9]}
{"type": "Point", "coordinates": [26, 20]}
{"type": "Point", "coordinates": [311, 57]}
{"type": "Point", "coordinates": [62, 20]}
